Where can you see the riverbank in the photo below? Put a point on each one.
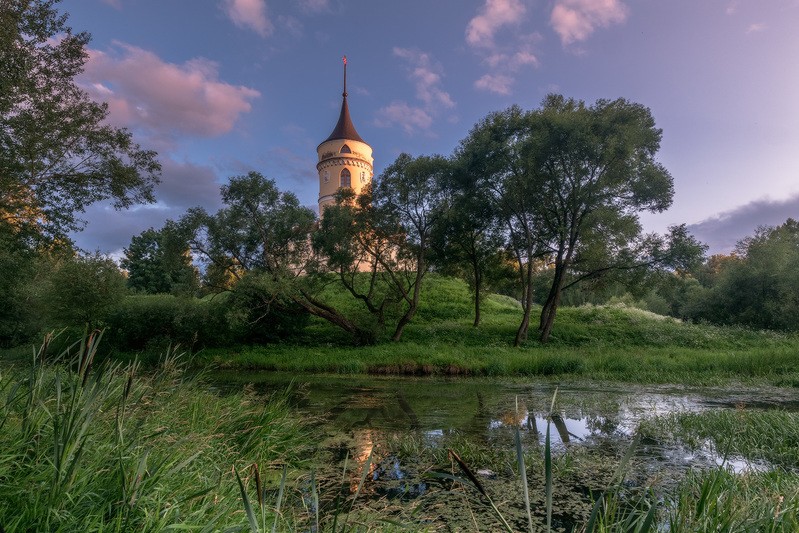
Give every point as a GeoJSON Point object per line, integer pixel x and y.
{"type": "Point", "coordinates": [611, 343]}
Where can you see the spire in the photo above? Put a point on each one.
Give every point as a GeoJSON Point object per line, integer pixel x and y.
{"type": "Point", "coordinates": [344, 128]}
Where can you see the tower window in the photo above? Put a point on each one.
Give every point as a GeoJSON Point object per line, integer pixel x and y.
{"type": "Point", "coordinates": [327, 176]}
{"type": "Point", "coordinates": [345, 150]}
{"type": "Point", "coordinates": [346, 178]}
{"type": "Point", "coordinates": [363, 176]}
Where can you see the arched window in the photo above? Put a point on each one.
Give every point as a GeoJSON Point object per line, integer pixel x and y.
{"type": "Point", "coordinates": [363, 176]}
{"type": "Point", "coordinates": [327, 176]}
{"type": "Point", "coordinates": [346, 178]}
{"type": "Point", "coordinates": [345, 150]}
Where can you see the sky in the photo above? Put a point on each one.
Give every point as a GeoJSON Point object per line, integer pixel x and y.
{"type": "Point", "coordinates": [223, 87]}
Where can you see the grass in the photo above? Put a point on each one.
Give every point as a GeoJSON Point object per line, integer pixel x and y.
{"type": "Point", "coordinates": [606, 343]}
{"type": "Point", "coordinates": [115, 449]}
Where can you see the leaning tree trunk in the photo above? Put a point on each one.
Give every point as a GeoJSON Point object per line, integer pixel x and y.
{"type": "Point", "coordinates": [553, 301]}
{"type": "Point", "coordinates": [359, 335]}
{"type": "Point", "coordinates": [413, 304]}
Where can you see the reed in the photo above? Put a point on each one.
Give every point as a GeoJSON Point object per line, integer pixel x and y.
{"type": "Point", "coordinates": [106, 447]}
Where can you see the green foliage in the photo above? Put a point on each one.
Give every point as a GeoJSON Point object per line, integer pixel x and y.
{"type": "Point", "coordinates": [568, 182]}
{"type": "Point", "coordinates": [757, 287]}
{"type": "Point", "coordinates": [83, 290]}
{"type": "Point", "coordinates": [57, 153]}
{"type": "Point", "coordinates": [112, 450]}
{"type": "Point", "coordinates": [159, 262]}
{"type": "Point", "coordinates": [156, 321]}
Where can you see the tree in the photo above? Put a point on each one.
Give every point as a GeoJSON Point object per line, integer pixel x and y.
{"type": "Point", "coordinates": [596, 168]}
{"type": "Point", "coordinates": [57, 155]}
{"type": "Point", "coordinates": [467, 241]}
{"type": "Point", "coordinates": [497, 163]}
{"type": "Point", "coordinates": [387, 231]}
{"type": "Point", "coordinates": [264, 235]}
{"type": "Point", "coordinates": [569, 181]}
{"type": "Point", "coordinates": [757, 286]}
{"type": "Point", "coordinates": [82, 289]}
{"type": "Point", "coordinates": [160, 262]}
{"type": "Point", "coordinates": [409, 201]}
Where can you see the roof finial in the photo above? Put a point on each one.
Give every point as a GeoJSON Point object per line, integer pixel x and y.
{"type": "Point", "coordinates": [344, 59]}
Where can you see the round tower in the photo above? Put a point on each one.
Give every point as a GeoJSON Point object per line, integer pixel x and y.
{"type": "Point", "coordinates": [345, 160]}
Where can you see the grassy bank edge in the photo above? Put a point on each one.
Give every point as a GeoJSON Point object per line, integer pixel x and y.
{"type": "Point", "coordinates": [774, 365]}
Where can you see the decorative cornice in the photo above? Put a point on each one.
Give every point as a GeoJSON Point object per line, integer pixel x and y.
{"type": "Point", "coordinates": [343, 161]}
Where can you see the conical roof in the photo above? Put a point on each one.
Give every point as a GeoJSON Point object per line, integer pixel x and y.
{"type": "Point", "coordinates": [344, 128]}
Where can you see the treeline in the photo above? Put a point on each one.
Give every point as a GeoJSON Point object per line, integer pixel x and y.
{"type": "Point", "coordinates": [549, 193]}
{"type": "Point", "coordinates": [532, 203]}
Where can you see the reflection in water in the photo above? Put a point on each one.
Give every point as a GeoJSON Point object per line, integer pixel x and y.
{"type": "Point", "coordinates": [363, 444]}
{"type": "Point", "coordinates": [372, 409]}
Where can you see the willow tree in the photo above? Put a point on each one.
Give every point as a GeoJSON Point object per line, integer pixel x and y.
{"type": "Point", "coordinates": [595, 167]}
{"type": "Point", "coordinates": [569, 180]}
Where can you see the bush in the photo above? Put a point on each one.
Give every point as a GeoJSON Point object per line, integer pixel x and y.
{"type": "Point", "coordinates": [153, 321]}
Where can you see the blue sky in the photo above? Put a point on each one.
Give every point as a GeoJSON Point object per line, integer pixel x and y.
{"type": "Point", "coordinates": [221, 87]}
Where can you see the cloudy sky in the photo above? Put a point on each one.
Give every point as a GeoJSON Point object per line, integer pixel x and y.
{"type": "Point", "coordinates": [221, 87]}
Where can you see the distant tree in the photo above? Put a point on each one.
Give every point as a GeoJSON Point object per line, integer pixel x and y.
{"type": "Point", "coordinates": [57, 153]}
{"type": "Point", "coordinates": [83, 289]}
{"type": "Point", "coordinates": [757, 286]}
{"type": "Point", "coordinates": [160, 262]}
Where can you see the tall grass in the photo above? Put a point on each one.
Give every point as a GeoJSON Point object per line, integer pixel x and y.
{"type": "Point", "coordinates": [108, 448]}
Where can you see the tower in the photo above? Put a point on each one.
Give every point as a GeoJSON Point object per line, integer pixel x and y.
{"type": "Point", "coordinates": [345, 160]}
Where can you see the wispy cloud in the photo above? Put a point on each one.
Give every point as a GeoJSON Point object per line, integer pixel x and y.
{"type": "Point", "coordinates": [249, 14]}
{"type": "Point", "coordinates": [576, 20]}
{"type": "Point", "coordinates": [164, 99]}
{"type": "Point", "coordinates": [755, 28]}
{"type": "Point", "coordinates": [495, 83]}
{"type": "Point", "coordinates": [492, 17]}
{"type": "Point", "coordinates": [494, 35]}
{"type": "Point", "coordinates": [426, 75]}
{"type": "Point", "coordinates": [409, 118]}
{"type": "Point", "coordinates": [113, 3]}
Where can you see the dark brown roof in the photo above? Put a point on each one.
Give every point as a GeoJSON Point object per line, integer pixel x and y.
{"type": "Point", "coordinates": [344, 128]}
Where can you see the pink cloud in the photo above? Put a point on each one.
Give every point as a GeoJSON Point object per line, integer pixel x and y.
{"type": "Point", "coordinates": [495, 83]}
{"type": "Point", "coordinates": [144, 91]}
{"type": "Point", "coordinates": [576, 20]}
{"type": "Point", "coordinates": [426, 75]}
{"type": "Point", "coordinates": [249, 14]}
{"type": "Point", "coordinates": [494, 15]}
{"type": "Point", "coordinates": [755, 28]}
{"type": "Point", "coordinates": [409, 118]}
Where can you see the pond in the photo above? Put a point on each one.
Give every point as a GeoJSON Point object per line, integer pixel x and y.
{"type": "Point", "coordinates": [401, 427]}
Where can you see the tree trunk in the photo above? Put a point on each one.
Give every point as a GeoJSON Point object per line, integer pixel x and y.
{"type": "Point", "coordinates": [360, 336]}
{"type": "Point", "coordinates": [478, 282]}
{"type": "Point", "coordinates": [527, 305]}
{"type": "Point", "coordinates": [413, 305]}
{"type": "Point", "coordinates": [553, 301]}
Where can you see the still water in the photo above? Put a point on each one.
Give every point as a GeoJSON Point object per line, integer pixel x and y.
{"type": "Point", "coordinates": [488, 410]}
{"type": "Point", "coordinates": [395, 432]}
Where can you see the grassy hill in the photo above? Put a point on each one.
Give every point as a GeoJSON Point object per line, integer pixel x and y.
{"type": "Point", "coordinates": [606, 342]}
